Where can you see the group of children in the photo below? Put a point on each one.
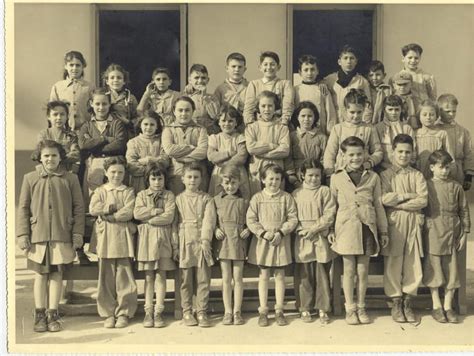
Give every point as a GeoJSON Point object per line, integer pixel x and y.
{"type": "Point", "coordinates": [238, 177]}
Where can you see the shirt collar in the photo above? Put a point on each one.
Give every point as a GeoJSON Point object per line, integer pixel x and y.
{"type": "Point", "coordinates": [266, 80]}
{"type": "Point", "coordinates": [237, 194]}
{"type": "Point", "coordinates": [70, 81]}
{"type": "Point", "coordinates": [177, 124]}
{"type": "Point", "coordinates": [109, 188]}
{"type": "Point", "coordinates": [302, 132]}
{"type": "Point", "coordinates": [243, 82]}
{"type": "Point", "coordinates": [306, 186]}
{"type": "Point", "coordinates": [164, 95]}
{"type": "Point", "coordinates": [109, 119]}
{"type": "Point", "coordinates": [43, 173]}
{"type": "Point", "coordinates": [150, 192]}
{"type": "Point", "coordinates": [350, 170]}
{"type": "Point", "coordinates": [397, 169]}
{"type": "Point", "coordinates": [271, 195]}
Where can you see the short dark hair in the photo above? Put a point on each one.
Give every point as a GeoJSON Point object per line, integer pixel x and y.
{"type": "Point", "coordinates": [229, 110]}
{"type": "Point", "coordinates": [58, 103]}
{"type": "Point", "coordinates": [193, 166]}
{"type": "Point", "coordinates": [236, 56]}
{"type": "Point", "coordinates": [115, 67]}
{"type": "Point", "coordinates": [348, 49]}
{"type": "Point", "coordinates": [69, 56]}
{"type": "Point", "coordinates": [269, 54]}
{"type": "Point", "coordinates": [200, 68]}
{"type": "Point", "coordinates": [301, 106]}
{"type": "Point", "coordinates": [271, 95]}
{"type": "Point", "coordinates": [230, 171]}
{"type": "Point", "coordinates": [36, 156]}
{"type": "Point", "coordinates": [355, 96]}
{"type": "Point", "coordinates": [272, 167]}
{"type": "Point", "coordinates": [307, 59]}
{"type": "Point", "coordinates": [160, 70]}
{"type": "Point", "coordinates": [110, 161]}
{"type": "Point", "coordinates": [155, 169]}
{"type": "Point", "coordinates": [447, 99]}
{"type": "Point", "coordinates": [394, 100]}
{"type": "Point", "coordinates": [402, 138]}
{"type": "Point", "coordinates": [428, 103]}
{"type": "Point", "coordinates": [375, 66]}
{"type": "Point", "coordinates": [152, 115]}
{"type": "Point", "coordinates": [186, 99]}
{"type": "Point", "coordinates": [440, 156]}
{"type": "Point", "coordinates": [99, 91]}
{"type": "Point", "coordinates": [415, 47]}
{"type": "Point", "coordinates": [352, 141]}
{"type": "Point", "coordinates": [313, 164]}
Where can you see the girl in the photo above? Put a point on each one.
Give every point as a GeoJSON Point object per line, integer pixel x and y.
{"type": "Point", "coordinates": [185, 142]}
{"type": "Point", "coordinates": [429, 137]}
{"type": "Point", "coordinates": [354, 104]}
{"type": "Point", "coordinates": [112, 204]}
{"type": "Point", "coordinates": [155, 209]}
{"type": "Point", "coordinates": [101, 137]}
{"type": "Point", "coordinates": [267, 140]}
{"type": "Point", "coordinates": [50, 226]}
{"type": "Point", "coordinates": [74, 89]}
{"type": "Point", "coordinates": [316, 212]}
{"type": "Point", "coordinates": [58, 130]}
{"type": "Point", "coordinates": [393, 123]}
{"type": "Point", "coordinates": [271, 217]}
{"type": "Point", "coordinates": [231, 237]}
{"type": "Point", "coordinates": [307, 141]}
{"type": "Point", "coordinates": [228, 147]}
{"type": "Point", "coordinates": [115, 79]}
{"type": "Point", "coordinates": [144, 149]}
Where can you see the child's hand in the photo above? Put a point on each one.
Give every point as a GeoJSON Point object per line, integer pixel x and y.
{"type": "Point", "coordinates": [245, 234]}
{"type": "Point", "coordinates": [312, 236]}
{"type": "Point", "coordinates": [150, 88]}
{"type": "Point", "coordinates": [331, 238]}
{"type": "Point", "coordinates": [144, 161]}
{"type": "Point", "coordinates": [157, 211]}
{"type": "Point", "coordinates": [176, 253]}
{"type": "Point", "coordinates": [276, 238]}
{"type": "Point", "coordinates": [461, 243]}
{"type": "Point", "coordinates": [206, 250]}
{"type": "Point", "coordinates": [219, 234]}
{"type": "Point", "coordinates": [108, 217]}
{"type": "Point", "coordinates": [268, 236]}
{"type": "Point", "coordinates": [384, 240]}
{"type": "Point", "coordinates": [24, 243]}
{"type": "Point", "coordinates": [112, 208]}
{"type": "Point", "coordinates": [188, 89]}
{"type": "Point", "coordinates": [466, 185]}
{"type": "Point", "coordinates": [367, 165]}
{"type": "Point", "coordinates": [302, 233]}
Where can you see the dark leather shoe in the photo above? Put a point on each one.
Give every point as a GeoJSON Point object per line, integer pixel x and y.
{"type": "Point", "coordinates": [397, 313]}
{"type": "Point", "coordinates": [40, 324]}
{"type": "Point", "coordinates": [203, 320]}
{"type": "Point", "coordinates": [452, 316]}
{"type": "Point", "coordinates": [263, 319]}
{"type": "Point", "coordinates": [280, 318]}
{"type": "Point", "coordinates": [408, 311]}
{"type": "Point", "coordinates": [189, 319]}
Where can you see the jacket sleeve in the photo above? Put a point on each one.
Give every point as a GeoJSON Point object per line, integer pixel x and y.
{"type": "Point", "coordinates": [254, 147]}
{"type": "Point", "coordinates": [468, 154]}
{"type": "Point", "coordinates": [241, 156]}
{"type": "Point", "coordinates": [431, 88]}
{"type": "Point", "coordinates": [98, 205]}
{"type": "Point", "coordinates": [289, 162]}
{"type": "Point", "coordinates": [167, 217]}
{"type": "Point", "coordinates": [119, 139]}
{"type": "Point", "coordinates": [389, 197]}
{"type": "Point", "coordinates": [200, 152]}
{"type": "Point", "coordinates": [209, 220]}
{"type": "Point", "coordinates": [252, 219]}
{"type": "Point", "coordinates": [132, 156]}
{"type": "Point", "coordinates": [213, 154]}
{"type": "Point", "coordinates": [126, 212]}
{"type": "Point", "coordinates": [144, 103]}
{"type": "Point", "coordinates": [23, 227]}
{"type": "Point", "coordinates": [375, 148]}
{"type": "Point", "coordinates": [463, 207]}
{"type": "Point", "coordinates": [87, 141]}
{"type": "Point", "coordinates": [331, 115]}
{"type": "Point", "coordinates": [332, 148]}
{"type": "Point", "coordinates": [211, 106]}
{"type": "Point", "coordinates": [329, 212]}
{"type": "Point", "coordinates": [78, 210]}
{"type": "Point", "coordinates": [141, 211]}
{"type": "Point", "coordinates": [380, 215]}
{"type": "Point", "coordinates": [54, 94]}
{"type": "Point", "coordinates": [283, 142]}
{"type": "Point", "coordinates": [172, 149]}
{"type": "Point", "coordinates": [291, 215]}
{"type": "Point", "coordinates": [421, 200]}
{"type": "Point", "coordinates": [250, 103]}
{"type": "Point", "coordinates": [288, 96]}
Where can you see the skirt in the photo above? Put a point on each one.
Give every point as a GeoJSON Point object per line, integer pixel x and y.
{"type": "Point", "coordinates": [163, 264]}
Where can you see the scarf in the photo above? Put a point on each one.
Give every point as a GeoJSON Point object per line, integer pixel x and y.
{"type": "Point", "coordinates": [395, 127]}
{"type": "Point", "coordinates": [344, 79]}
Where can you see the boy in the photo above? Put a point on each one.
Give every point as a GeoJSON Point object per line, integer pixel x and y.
{"type": "Point", "coordinates": [311, 89]}
{"type": "Point", "coordinates": [404, 196]}
{"type": "Point", "coordinates": [447, 226]}
{"type": "Point", "coordinates": [194, 226]}
{"type": "Point", "coordinates": [402, 86]}
{"type": "Point", "coordinates": [346, 78]}
{"type": "Point", "coordinates": [378, 89]}
{"type": "Point", "coordinates": [459, 144]}
{"type": "Point", "coordinates": [232, 91]}
{"type": "Point", "coordinates": [424, 84]}
{"type": "Point", "coordinates": [207, 105]}
{"type": "Point", "coordinates": [269, 66]}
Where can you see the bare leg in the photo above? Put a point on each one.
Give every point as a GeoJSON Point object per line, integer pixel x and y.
{"type": "Point", "coordinates": [55, 289]}
{"type": "Point", "coordinates": [226, 268]}
{"type": "Point", "coordinates": [238, 271]}
{"type": "Point", "coordinates": [448, 299]}
{"type": "Point", "coordinates": [160, 290]}
{"type": "Point", "coordinates": [279, 288]}
{"type": "Point", "coordinates": [263, 278]}
{"type": "Point", "coordinates": [40, 288]}
{"type": "Point", "coordinates": [149, 288]}
{"type": "Point", "coordinates": [348, 278]}
{"type": "Point", "coordinates": [362, 276]}
{"type": "Point", "coordinates": [435, 298]}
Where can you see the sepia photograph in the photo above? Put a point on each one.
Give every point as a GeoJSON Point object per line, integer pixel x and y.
{"type": "Point", "coordinates": [239, 177]}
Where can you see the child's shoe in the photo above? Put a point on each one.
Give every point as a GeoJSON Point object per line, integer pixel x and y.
{"type": "Point", "coordinates": [263, 319]}
{"type": "Point", "coordinates": [323, 317]}
{"type": "Point", "coordinates": [203, 320]}
{"type": "Point", "coordinates": [158, 320]}
{"type": "Point", "coordinates": [351, 315]}
{"type": "Point", "coordinates": [122, 322]}
{"type": "Point", "coordinates": [148, 320]}
{"type": "Point", "coordinates": [452, 316]}
{"type": "Point", "coordinates": [52, 319]}
{"type": "Point", "coordinates": [41, 324]}
{"type": "Point", "coordinates": [227, 319]}
{"type": "Point", "coordinates": [362, 315]}
{"type": "Point", "coordinates": [407, 310]}
{"type": "Point", "coordinates": [238, 320]}
{"type": "Point", "coordinates": [397, 313]}
{"type": "Point", "coordinates": [109, 322]}
{"type": "Point", "coordinates": [306, 317]}
{"type": "Point", "coordinates": [438, 315]}
{"type": "Point", "coordinates": [189, 319]}
{"type": "Point", "coordinates": [280, 318]}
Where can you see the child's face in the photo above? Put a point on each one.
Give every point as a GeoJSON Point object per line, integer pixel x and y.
{"type": "Point", "coordinates": [312, 177]}
{"type": "Point", "coordinates": [156, 183]}
{"type": "Point", "coordinates": [162, 82]}
{"type": "Point", "coordinates": [306, 119]}
{"type": "Point", "coordinates": [227, 124]}
{"type": "Point", "coordinates": [376, 78]}
{"type": "Point", "coordinates": [427, 116]}
{"type": "Point", "coordinates": [148, 126]}
{"type": "Point", "coordinates": [115, 174]}
{"type": "Point", "coordinates": [392, 113]}
{"type": "Point", "coordinates": [272, 181]}
{"type": "Point", "coordinates": [347, 61]}
{"type": "Point", "coordinates": [353, 157]}
{"type": "Point", "coordinates": [57, 117]}
{"type": "Point", "coordinates": [101, 106]}
{"type": "Point", "coordinates": [191, 180]}
{"type": "Point", "coordinates": [235, 70]}
{"type": "Point", "coordinates": [309, 72]}
{"type": "Point", "coordinates": [269, 67]}
{"type": "Point", "coordinates": [447, 111]}
{"type": "Point", "coordinates": [402, 154]}
{"type": "Point", "coordinates": [115, 80]}
{"type": "Point", "coordinates": [230, 185]}
{"type": "Point", "coordinates": [402, 88]}
{"type": "Point", "coordinates": [50, 158]}
{"type": "Point", "coordinates": [354, 113]}
{"type": "Point", "coordinates": [198, 80]}
{"type": "Point", "coordinates": [266, 107]}
{"type": "Point", "coordinates": [183, 112]}
{"type": "Point", "coordinates": [74, 68]}
{"type": "Point", "coordinates": [440, 171]}
{"type": "Point", "coordinates": [411, 60]}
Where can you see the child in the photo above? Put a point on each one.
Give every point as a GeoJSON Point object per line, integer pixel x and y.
{"type": "Point", "coordinates": [101, 137]}
{"type": "Point", "coordinates": [429, 137]}
{"type": "Point", "coordinates": [231, 241]}
{"type": "Point", "coordinates": [447, 226]}
{"type": "Point", "coordinates": [378, 89]}
{"type": "Point", "coordinates": [316, 212]}
{"type": "Point", "coordinates": [232, 91]}
{"type": "Point", "coordinates": [345, 79]}
{"type": "Point", "coordinates": [155, 209]}
{"type": "Point", "coordinates": [459, 144]}
{"type": "Point", "coordinates": [159, 97]}
{"type": "Point", "coordinates": [184, 142]}
{"type": "Point", "coordinates": [112, 204]}
{"type": "Point", "coordinates": [267, 140]}
{"type": "Point", "coordinates": [115, 79]}
{"type": "Point", "coordinates": [194, 224]}
{"type": "Point", "coordinates": [271, 217]}
{"type": "Point", "coordinates": [424, 84]}
{"type": "Point", "coordinates": [58, 130]}
{"type": "Point", "coordinates": [402, 86]}
{"type": "Point", "coordinates": [206, 112]}
{"type": "Point", "coordinates": [392, 124]}
{"type": "Point", "coordinates": [228, 147]}
{"type": "Point", "coordinates": [307, 141]}
{"type": "Point", "coordinates": [144, 149]}
{"type": "Point", "coordinates": [50, 226]}
{"type": "Point", "coordinates": [269, 66]}
{"type": "Point", "coordinates": [404, 196]}
{"type": "Point", "coordinates": [74, 89]}
{"type": "Point", "coordinates": [354, 104]}
{"type": "Point", "coordinates": [360, 224]}
{"type": "Point", "coordinates": [311, 89]}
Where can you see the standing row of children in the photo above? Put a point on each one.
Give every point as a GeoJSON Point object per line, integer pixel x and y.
{"type": "Point", "coordinates": [178, 157]}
